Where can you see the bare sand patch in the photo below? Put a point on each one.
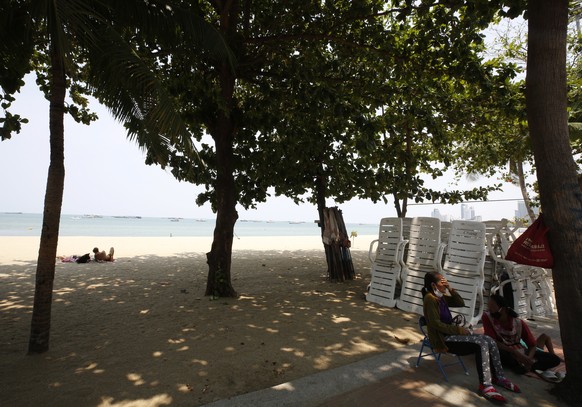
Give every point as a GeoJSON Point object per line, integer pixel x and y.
{"type": "Point", "coordinates": [140, 332]}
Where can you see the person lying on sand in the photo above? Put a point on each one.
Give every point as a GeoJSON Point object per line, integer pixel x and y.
{"type": "Point", "coordinates": [68, 259]}
{"type": "Point", "coordinates": [75, 259]}
{"type": "Point", "coordinates": [102, 256]}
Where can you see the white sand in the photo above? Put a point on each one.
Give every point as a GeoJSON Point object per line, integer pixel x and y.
{"type": "Point", "coordinates": [16, 249]}
{"type": "Point", "coordinates": [140, 332]}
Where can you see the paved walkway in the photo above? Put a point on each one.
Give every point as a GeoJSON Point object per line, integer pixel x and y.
{"type": "Point", "coordinates": [391, 380]}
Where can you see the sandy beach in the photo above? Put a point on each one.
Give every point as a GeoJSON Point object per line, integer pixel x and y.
{"type": "Point", "coordinates": [22, 250]}
{"type": "Point", "coordinates": [140, 332]}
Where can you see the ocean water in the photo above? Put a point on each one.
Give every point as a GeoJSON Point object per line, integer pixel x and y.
{"type": "Point", "coordinates": [29, 224]}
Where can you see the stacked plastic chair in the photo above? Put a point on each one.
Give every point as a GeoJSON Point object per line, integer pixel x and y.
{"type": "Point", "coordinates": [530, 287]}
{"type": "Point", "coordinates": [424, 249]}
{"type": "Point", "coordinates": [463, 267]}
{"type": "Point", "coordinates": [387, 262]}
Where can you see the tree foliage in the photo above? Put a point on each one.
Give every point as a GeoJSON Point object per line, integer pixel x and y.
{"type": "Point", "coordinates": [330, 100]}
{"type": "Point", "coordinates": [346, 105]}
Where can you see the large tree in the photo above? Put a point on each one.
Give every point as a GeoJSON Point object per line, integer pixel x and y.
{"type": "Point", "coordinates": [283, 53]}
{"type": "Point", "coordinates": [560, 195]}
{"type": "Point", "coordinates": [302, 105]}
{"type": "Point", "coordinates": [84, 44]}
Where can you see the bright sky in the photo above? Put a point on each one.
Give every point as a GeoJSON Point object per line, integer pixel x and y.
{"type": "Point", "coordinates": [106, 175]}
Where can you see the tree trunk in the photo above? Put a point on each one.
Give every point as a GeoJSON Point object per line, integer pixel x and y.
{"type": "Point", "coordinates": [404, 208]}
{"type": "Point", "coordinates": [560, 195]}
{"type": "Point", "coordinates": [223, 132]}
{"type": "Point", "coordinates": [401, 209]}
{"type": "Point", "coordinates": [220, 256]}
{"type": "Point", "coordinates": [409, 168]}
{"type": "Point", "coordinates": [47, 253]}
{"type": "Point", "coordinates": [397, 206]}
{"type": "Point", "coordinates": [524, 194]}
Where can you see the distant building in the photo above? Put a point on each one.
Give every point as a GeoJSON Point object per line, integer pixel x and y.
{"type": "Point", "coordinates": [442, 216]}
{"type": "Point", "coordinates": [464, 211]}
{"type": "Point", "coordinates": [467, 212]}
{"type": "Point", "coordinates": [521, 211]}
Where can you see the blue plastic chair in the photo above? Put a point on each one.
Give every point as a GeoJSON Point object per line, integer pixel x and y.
{"type": "Point", "coordinates": [431, 352]}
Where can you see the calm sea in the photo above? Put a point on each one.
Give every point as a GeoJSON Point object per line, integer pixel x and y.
{"type": "Point", "coordinates": [29, 224]}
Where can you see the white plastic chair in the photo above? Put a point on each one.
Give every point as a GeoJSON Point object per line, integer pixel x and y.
{"type": "Point", "coordinates": [445, 231]}
{"type": "Point", "coordinates": [463, 267]}
{"type": "Point", "coordinates": [424, 247]}
{"type": "Point", "coordinates": [406, 222]}
{"type": "Point", "coordinates": [531, 286]}
{"type": "Point", "coordinates": [387, 263]}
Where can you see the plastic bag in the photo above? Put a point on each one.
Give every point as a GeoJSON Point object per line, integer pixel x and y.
{"type": "Point", "coordinates": [532, 247]}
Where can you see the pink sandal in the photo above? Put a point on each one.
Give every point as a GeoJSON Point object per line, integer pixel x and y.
{"type": "Point", "coordinates": [491, 394]}
{"type": "Point", "coordinates": [506, 383]}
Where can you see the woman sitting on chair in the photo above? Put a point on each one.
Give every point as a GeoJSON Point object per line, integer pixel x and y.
{"type": "Point", "coordinates": [445, 336]}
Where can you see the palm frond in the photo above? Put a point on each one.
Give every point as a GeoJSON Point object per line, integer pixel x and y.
{"type": "Point", "coordinates": [127, 85]}
{"type": "Point", "coordinates": [125, 82]}
{"type": "Point", "coordinates": [173, 26]}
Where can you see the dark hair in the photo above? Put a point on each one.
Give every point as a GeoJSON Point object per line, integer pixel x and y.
{"type": "Point", "coordinates": [502, 303]}
{"type": "Point", "coordinates": [429, 278]}
{"type": "Point", "coordinates": [95, 250]}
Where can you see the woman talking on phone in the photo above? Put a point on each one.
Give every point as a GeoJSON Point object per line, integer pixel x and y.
{"type": "Point", "coordinates": [445, 336]}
